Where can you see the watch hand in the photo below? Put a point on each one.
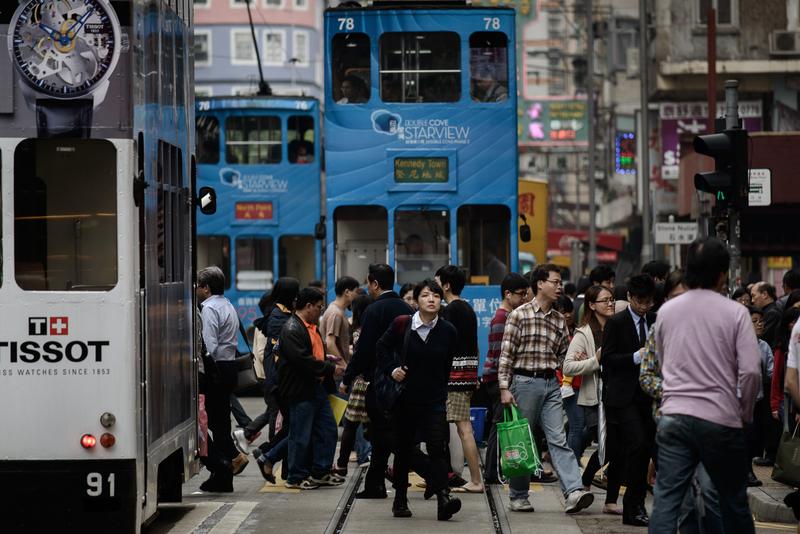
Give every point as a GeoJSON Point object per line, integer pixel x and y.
{"type": "Point", "coordinates": [53, 34]}
{"type": "Point", "coordinates": [81, 21]}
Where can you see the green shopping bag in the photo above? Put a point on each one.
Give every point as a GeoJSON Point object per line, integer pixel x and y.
{"type": "Point", "coordinates": [518, 454]}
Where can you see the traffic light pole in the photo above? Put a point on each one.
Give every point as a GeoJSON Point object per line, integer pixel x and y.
{"type": "Point", "coordinates": [734, 228]}
{"type": "Point", "coordinates": [644, 133]}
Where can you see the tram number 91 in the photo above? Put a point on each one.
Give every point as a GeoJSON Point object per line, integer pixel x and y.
{"type": "Point", "coordinates": [98, 486]}
{"type": "Point", "coordinates": [491, 23]}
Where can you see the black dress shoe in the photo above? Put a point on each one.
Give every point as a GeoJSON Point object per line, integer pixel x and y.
{"type": "Point", "coordinates": [752, 480]}
{"type": "Point", "coordinates": [217, 483]}
{"type": "Point", "coordinates": [372, 493]}
{"type": "Point", "coordinates": [428, 493]}
{"type": "Point", "coordinates": [763, 462]}
{"type": "Point", "coordinates": [447, 506]}
{"type": "Point", "coordinates": [640, 519]}
{"type": "Point", "coordinates": [400, 507]}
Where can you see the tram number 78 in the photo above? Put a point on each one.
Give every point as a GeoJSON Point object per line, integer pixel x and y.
{"type": "Point", "coordinates": [346, 23]}
{"type": "Point", "coordinates": [491, 23]}
{"type": "Point", "coordinates": [94, 485]}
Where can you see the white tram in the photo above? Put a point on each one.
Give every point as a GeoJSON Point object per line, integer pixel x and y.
{"type": "Point", "coordinates": [98, 374]}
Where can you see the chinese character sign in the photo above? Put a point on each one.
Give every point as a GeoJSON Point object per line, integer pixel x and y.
{"type": "Point", "coordinates": [556, 122]}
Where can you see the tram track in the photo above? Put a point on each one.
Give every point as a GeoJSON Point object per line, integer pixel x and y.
{"type": "Point", "coordinates": [498, 518]}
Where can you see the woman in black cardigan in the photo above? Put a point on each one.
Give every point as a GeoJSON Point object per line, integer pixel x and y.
{"type": "Point", "coordinates": [420, 412]}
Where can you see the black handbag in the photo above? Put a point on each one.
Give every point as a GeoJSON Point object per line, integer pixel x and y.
{"type": "Point", "coordinates": [246, 377]}
{"type": "Point", "coordinates": [387, 389]}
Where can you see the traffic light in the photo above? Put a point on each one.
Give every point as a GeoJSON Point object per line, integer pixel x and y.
{"type": "Point", "coordinates": [728, 182]}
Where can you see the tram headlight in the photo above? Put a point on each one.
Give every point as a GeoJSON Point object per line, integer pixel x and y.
{"type": "Point", "coordinates": [88, 441]}
{"type": "Point", "coordinates": [107, 440]}
{"type": "Point", "coordinates": [108, 420]}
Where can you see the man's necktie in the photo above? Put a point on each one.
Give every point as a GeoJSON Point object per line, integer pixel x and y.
{"type": "Point", "coordinates": [642, 333]}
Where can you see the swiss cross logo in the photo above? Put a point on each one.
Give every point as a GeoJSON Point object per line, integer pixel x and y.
{"type": "Point", "coordinates": [59, 326]}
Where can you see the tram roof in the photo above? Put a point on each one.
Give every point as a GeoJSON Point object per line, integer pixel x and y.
{"type": "Point", "coordinates": [289, 103]}
{"type": "Point", "coordinates": [379, 5]}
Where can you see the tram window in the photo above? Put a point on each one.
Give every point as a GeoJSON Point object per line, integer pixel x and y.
{"type": "Point", "coordinates": [253, 140]}
{"type": "Point", "coordinates": [422, 243]}
{"type": "Point", "coordinates": [300, 135]}
{"type": "Point", "coordinates": [254, 269]}
{"type": "Point", "coordinates": [296, 257]}
{"type": "Point", "coordinates": [170, 214]}
{"type": "Point", "coordinates": [215, 250]}
{"type": "Point", "coordinates": [488, 65]}
{"type": "Point", "coordinates": [361, 238]}
{"type": "Point", "coordinates": [65, 215]}
{"type": "Point", "coordinates": [483, 243]}
{"type": "Point", "coordinates": [207, 129]}
{"type": "Point", "coordinates": [420, 67]}
{"type": "Point", "coordinates": [350, 68]}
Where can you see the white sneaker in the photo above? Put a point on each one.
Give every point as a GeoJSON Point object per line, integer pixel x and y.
{"type": "Point", "coordinates": [520, 505]}
{"type": "Point", "coordinates": [241, 442]}
{"type": "Point", "coordinates": [577, 501]}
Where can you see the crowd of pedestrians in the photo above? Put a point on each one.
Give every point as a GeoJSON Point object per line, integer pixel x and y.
{"type": "Point", "coordinates": [664, 395]}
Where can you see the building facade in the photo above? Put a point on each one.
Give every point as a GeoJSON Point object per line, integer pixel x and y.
{"type": "Point", "coordinates": [289, 36]}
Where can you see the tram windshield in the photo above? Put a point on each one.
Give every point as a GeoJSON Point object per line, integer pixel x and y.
{"type": "Point", "coordinates": [253, 140]}
{"type": "Point", "coordinates": [420, 67]}
{"type": "Point", "coordinates": [483, 237]}
{"type": "Point", "coordinates": [215, 250]}
{"type": "Point", "coordinates": [65, 214]}
{"type": "Point", "coordinates": [254, 263]}
{"type": "Point", "coordinates": [360, 239]}
{"type": "Point", "coordinates": [422, 243]}
{"type": "Point", "coordinates": [207, 139]}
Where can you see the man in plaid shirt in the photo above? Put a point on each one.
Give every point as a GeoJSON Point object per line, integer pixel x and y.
{"type": "Point", "coordinates": [535, 341]}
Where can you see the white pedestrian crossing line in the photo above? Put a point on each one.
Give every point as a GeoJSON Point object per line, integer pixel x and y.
{"type": "Point", "coordinates": [195, 518]}
{"type": "Point", "coordinates": [231, 521]}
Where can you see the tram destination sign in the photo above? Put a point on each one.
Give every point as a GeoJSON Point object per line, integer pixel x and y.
{"type": "Point", "coordinates": [421, 170]}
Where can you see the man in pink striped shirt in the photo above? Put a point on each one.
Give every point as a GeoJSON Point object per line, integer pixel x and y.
{"type": "Point", "coordinates": [711, 366]}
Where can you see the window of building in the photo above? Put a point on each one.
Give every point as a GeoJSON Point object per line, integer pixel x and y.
{"type": "Point", "coordinates": [300, 136]}
{"type": "Point", "coordinates": [273, 4]}
{"type": "Point", "coordinates": [420, 67]}
{"type": "Point", "coordinates": [350, 68]}
{"type": "Point", "coordinates": [421, 243]}
{"type": "Point", "coordinates": [488, 66]}
{"type": "Point", "coordinates": [202, 48]}
{"type": "Point", "coordinates": [275, 47]}
{"type": "Point", "coordinates": [215, 250]}
{"type": "Point", "coordinates": [252, 140]}
{"type": "Point", "coordinates": [624, 36]}
{"type": "Point", "coordinates": [254, 263]}
{"type": "Point", "coordinates": [301, 4]}
{"type": "Point", "coordinates": [202, 91]}
{"type": "Point", "coordinates": [360, 238]}
{"type": "Point", "coordinates": [201, 3]}
{"type": "Point", "coordinates": [300, 48]}
{"type": "Point", "coordinates": [296, 257]}
{"type": "Point", "coordinates": [242, 50]}
{"type": "Point", "coordinates": [65, 215]}
{"type": "Point", "coordinates": [727, 12]}
{"type": "Point", "coordinates": [483, 243]}
{"type": "Point", "coordinates": [207, 130]}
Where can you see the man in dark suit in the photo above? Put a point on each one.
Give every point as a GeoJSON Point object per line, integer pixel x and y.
{"type": "Point", "coordinates": [631, 429]}
{"type": "Point", "coordinates": [376, 320]}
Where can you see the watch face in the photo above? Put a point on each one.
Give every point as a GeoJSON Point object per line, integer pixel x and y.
{"type": "Point", "coordinates": [64, 48]}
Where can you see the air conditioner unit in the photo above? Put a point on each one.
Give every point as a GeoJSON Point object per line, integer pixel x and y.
{"type": "Point", "coordinates": [784, 43]}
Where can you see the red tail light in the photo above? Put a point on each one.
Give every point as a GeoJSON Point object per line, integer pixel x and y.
{"type": "Point", "coordinates": [88, 441]}
{"type": "Point", "coordinates": [107, 440]}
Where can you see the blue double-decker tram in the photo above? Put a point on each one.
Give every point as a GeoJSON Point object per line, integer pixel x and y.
{"type": "Point", "coordinates": [421, 143]}
{"type": "Point", "coordinates": [262, 156]}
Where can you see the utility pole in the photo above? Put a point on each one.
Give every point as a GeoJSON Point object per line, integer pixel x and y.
{"type": "Point", "coordinates": [711, 95]}
{"type": "Point", "coordinates": [591, 111]}
{"type": "Point", "coordinates": [734, 228]}
{"type": "Point", "coordinates": [644, 137]}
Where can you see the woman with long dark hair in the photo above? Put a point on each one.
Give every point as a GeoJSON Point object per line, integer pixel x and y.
{"type": "Point", "coordinates": [583, 358]}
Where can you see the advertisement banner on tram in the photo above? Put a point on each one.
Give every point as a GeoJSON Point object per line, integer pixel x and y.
{"type": "Point", "coordinates": [71, 69]}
